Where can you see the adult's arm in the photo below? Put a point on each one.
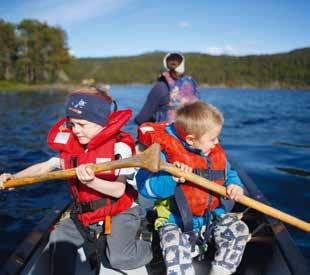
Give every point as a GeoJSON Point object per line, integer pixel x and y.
{"type": "Point", "coordinates": [158, 96]}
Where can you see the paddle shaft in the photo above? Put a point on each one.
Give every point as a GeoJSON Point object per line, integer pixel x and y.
{"type": "Point", "coordinates": [259, 206]}
{"type": "Point", "coordinates": [149, 159]}
{"type": "Point", "coordinates": [64, 174]}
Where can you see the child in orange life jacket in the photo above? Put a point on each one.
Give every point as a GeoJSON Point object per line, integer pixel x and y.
{"type": "Point", "coordinates": [104, 205]}
{"type": "Point", "coordinates": [189, 215]}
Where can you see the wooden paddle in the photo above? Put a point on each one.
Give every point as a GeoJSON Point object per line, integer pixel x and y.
{"type": "Point", "coordinates": [259, 206]}
{"type": "Point", "coordinates": [149, 159]}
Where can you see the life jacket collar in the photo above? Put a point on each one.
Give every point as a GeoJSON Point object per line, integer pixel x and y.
{"type": "Point", "coordinates": [115, 122]}
{"type": "Point", "coordinates": [172, 130]}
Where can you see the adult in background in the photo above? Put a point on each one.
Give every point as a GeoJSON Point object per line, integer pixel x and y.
{"type": "Point", "coordinates": [173, 88]}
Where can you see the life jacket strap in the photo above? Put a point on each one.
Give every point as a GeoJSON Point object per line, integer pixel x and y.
{"type": "Point", "coordinates": [210, 174]}
{"type": "Point", "coordinates": [95, 243]}
{"type": "Point", "coordinates": [184, 210]}
{"type": "Point", "coordinates": [91, 206]}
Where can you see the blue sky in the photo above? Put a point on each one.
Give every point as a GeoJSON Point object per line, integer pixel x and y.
{"type": "Point", "coordinates": [100, 28]}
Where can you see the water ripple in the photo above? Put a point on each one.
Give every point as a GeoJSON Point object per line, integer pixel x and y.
{"type": "Point", "coordinates": [264, 132]}
{"type": "Point", "coordinates": [291, 144]}
{"type": "Point", "coordinates": [294, 171]}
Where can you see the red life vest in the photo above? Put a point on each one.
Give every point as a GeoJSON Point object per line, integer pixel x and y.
{"type": "Point", "coordinates": [199, 199]}
{"type": "Point", "coordinates": [99, 149]}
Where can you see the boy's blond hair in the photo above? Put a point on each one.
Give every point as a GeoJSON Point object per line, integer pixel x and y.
{"type": "Point", "coordinates": [197, 118]}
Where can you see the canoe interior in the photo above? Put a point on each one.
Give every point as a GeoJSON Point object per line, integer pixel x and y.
{"type": "Point", "coordinates": [270, 251]}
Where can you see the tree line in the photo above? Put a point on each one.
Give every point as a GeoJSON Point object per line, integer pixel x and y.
{"type": "Point", "coordinates": [290, 69]}
{"type": "Point", "coordinates": [32, 52]}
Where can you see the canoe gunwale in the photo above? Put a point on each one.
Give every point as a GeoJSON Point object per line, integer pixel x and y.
{"type": "Point", "coordinates": [37, 239]}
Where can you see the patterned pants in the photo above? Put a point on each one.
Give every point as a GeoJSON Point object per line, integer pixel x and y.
{"type": "Point", "coordinates": [230, 236]}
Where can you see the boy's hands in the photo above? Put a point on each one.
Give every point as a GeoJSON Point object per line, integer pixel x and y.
{"type": "Point", "coordinates": [85, 174]}
{"type": "Point", "coordinates": [3, 178]}
{"type": "Point", "coordinates": [234, 192]}
{"type": "Point", "coordinates": [185, 168]}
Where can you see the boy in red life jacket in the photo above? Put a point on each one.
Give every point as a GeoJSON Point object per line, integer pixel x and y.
{"type": "Point", "coordinates": [189, 216]}
{"type": "Point", "coordinates": [105, 218]}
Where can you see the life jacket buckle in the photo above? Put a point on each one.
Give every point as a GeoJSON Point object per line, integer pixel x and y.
{"type": "Point", "coordinates": [84, 207]}
{"type": "Point", "coordinates": [95, 230]}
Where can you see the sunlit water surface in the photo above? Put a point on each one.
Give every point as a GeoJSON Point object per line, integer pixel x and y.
{"type": "Point", "coordinates": [266, 131]}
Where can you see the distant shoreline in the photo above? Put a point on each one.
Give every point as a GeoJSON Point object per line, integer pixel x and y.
{"type": "Point", "coordinates": [68, 87]}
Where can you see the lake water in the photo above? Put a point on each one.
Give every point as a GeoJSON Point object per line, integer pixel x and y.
{"type": "Point", "coordinates": [266, 131]}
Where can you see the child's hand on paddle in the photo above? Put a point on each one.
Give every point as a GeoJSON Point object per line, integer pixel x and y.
{"type": "Point", "coordinates": [234, 192]}
{"type": "Point", "coordinates": [85, 174]}
{"type": "Point", "coordinates": [3, 178]}
{"type": "Point", "coordinates": [185, 168]}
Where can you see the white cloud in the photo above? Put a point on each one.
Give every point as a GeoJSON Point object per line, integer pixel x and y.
{"type": "Point", "coordinates": [71, 52]}
{"type": "Point", "coordinates": [227, 50]}
{"type": "Point", "coordinates": [67, 13]}
{"type": "Point", "coordinates": [184, 24]}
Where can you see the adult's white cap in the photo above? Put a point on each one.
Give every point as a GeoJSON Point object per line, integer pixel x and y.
{"type": "Point", "coordinates": [181, 68]}
{"type": "Point", "coordinates": [101, 87]}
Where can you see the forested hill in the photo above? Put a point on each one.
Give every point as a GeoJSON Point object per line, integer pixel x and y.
{"type": "Point", "coordinates": [32, 52]}
{"type": "Point", "coordinates": [290, 69]}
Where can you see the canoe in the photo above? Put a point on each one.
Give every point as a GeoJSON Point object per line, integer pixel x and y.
{"type": "Point", "coordinates": [271, 249]}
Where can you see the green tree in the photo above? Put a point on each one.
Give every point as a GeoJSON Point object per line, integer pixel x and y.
{"type": "Point", "coordinates": [8, 50]}
{"type": "Point", "coordinates": [43, 51]}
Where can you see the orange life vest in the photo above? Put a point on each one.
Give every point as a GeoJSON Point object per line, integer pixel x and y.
{"type": "Point", "coordinates": [199, 199]}
{"type": "Point", "coordinates": [99, 149]}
